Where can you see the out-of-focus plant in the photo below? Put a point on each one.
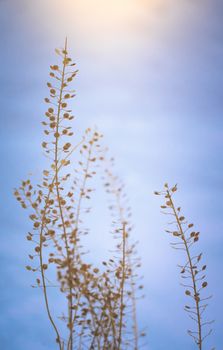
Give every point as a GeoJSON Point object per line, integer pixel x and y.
{"type": "Point", "coordinates": [126, 262]}
{"type": "Point", "coordinates": [192, 270]}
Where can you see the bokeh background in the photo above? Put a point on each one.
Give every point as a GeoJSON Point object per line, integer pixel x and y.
{"type": "Point", "coordinates": [151, 79]}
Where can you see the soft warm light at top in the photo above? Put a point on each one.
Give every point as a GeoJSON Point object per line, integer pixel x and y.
{"type": "Point", "coordinates": [97, 16]}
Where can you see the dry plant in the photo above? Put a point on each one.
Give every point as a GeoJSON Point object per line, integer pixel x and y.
{"type": "Point", "coordinates": [192, 271]}
{"type": "Point", "coordinates": [95, 300]}
{"type": "Point", "coordinates": [126, 261]}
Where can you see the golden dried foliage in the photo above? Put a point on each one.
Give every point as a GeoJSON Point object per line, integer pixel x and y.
{"type": "Point", "coordinates": [96, 298]}
{"type": "Point", "coordinates": [192, 271]}
{"type": "Point", "coordinates": [100, 311]}
{"type": "Point", "coordinates": [126, 262]}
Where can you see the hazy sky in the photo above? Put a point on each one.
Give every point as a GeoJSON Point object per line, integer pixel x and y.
{"type": "Point", "coordinates": [151, 79]}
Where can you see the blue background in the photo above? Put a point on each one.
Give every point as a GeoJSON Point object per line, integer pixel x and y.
{"type": "Point", "coordinates": [151, 79]}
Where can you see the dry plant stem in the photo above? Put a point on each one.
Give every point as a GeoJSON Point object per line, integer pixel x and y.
{"type": "Point", "coordinates": [112, 325]}
{"type": "Point", "coordinates": [55, 180]}
{"type": "Point", "coordinates": [116, 189]}
{"type": "Point", "coordinates": [135, 324]}
{"type": "Point", "coordinates": [81, 337]}
{"type": "Point", "coordinates": [93, 314]}
{"type": "Point", "coordinates": [103, 333]}
{"type": "Point", "coordinates": [70, 300]}
{"type": "Point", "coordinates": [43, 224]}
{"type": "Point", "coordinates": [42, 269]}
{"type": "Point", "coordinates": [82, 190]}
{"type": "Point", "coordinates": [95, 335]}
{"type": "Point", "coordinates": [95, 321]}
{"type": "Point", "coordinates": [122, 285]}
{"type": "Point", "coordinates": [191, 270]}
{"type": "Point", "coordinates": [96, 300]}
{"type": "Point", "coordinates": [45, 291]}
